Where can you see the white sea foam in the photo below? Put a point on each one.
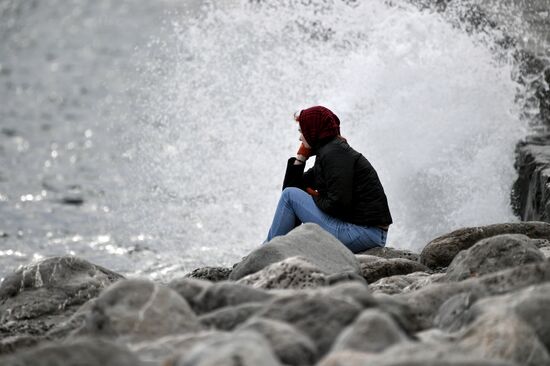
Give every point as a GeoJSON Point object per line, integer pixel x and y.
{"type": "Point", "coordinates": [430, 106]}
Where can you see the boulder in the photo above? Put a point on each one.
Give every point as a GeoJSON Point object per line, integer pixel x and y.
{"type": "Point", "coordinates": [290, 273]}
{"type": "Point", "coordinates": [373, 331]}
{"type": "Point", "coordinates": [530, 191]}
{"type": "Point", "coordinates": [227, 318]}
{"type": "Point", "coordinates": [228, 293]}
{"type": "Point", "coordinates": [503, 335]}
{"type": "Point", "coordinates": [40, 295]}
{"type": "Point", "coordinates": [80, 352]}
{"type": "Point", "coordinates": [15, 343]}
{"type": "Point", "coordinates": [451, 314]}
{"type": "Point", "coordinates": [403, 283]}
{"type": "Point", "coordinates": [214, 274]}
{"type": "Point", "coordinates": [234, 349]}
{"type": "Point", "coordinates": [513, 279]}
{"type": "Point", "coordinates": [189, 289]}
{"type": "Point", "coordinates": [140, 309]}
{"type": "Point", "coordinates": [74, 324]}
{"type": "Point", "coordinates": [320, 317]}
{"type": "Point", "coordinates": [492, 255]}
{"type": "Point", "coordinates": [374, 268]}
{"type": "Point", "coordinates": [290, 346]}
{"type": "Point", "coordinates": [389, 253]}
{"type": "Point", "coordinates": [424, 303]}
{"type": "Point", "coordinates": [413, 354]}
{"type": "Point", "coordinates": [356, 292]}
{"type": "Point", "coordinates": [441, 251]}
{"type": "Point", "coordinates": [156, 351]}
{"type": "Point", "coordinates": [308, 241]}
{"type": "Point", "coordinates": [544, 247]}
{"type": "Point", "coordinates": [530, 305]}
{"type": "Point", "coordinates": [346, 358]}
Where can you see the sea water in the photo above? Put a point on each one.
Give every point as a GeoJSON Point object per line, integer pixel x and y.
{"type": "Point", "coordinates": [152, 138]}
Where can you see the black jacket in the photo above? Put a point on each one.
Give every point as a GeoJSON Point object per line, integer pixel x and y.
{"type": "Point", "coordinates": [348, 186]}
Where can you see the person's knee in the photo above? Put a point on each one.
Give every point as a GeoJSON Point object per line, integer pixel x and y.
{"type": "Point", "coordinates": [290, 192]}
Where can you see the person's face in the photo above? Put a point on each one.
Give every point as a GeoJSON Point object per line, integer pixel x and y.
{"type": "Point", "coordinates": [296, 116]}
{"type": "Point", "coordinates": [304, 140]}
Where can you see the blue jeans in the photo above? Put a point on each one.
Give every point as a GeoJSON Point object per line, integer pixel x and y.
{"type": "Point", "coordinates": [296, 206]}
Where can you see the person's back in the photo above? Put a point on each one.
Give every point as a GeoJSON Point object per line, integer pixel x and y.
{"type": "Point", "coordinates": [369, 205]}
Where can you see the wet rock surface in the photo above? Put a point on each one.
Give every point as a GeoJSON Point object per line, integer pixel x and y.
{"type": "Point", "coordinates": [82, 352]}
{"type": "Point", "coordinates": [530, 192]}
{"type": "Point", "coordinates": [493, 254]}
{"type": "Point", "coordinates": [308, 242]}
{"type": "Point", "coordinates": [374, 268]}
{"type": "Point", "coordinates": [488, 307]}
{"type": "Point", "coordinates": [293, 272]}
{"type": "Point", "coordinates": [291, 346]}
{"type": "Point", "coordinates": [389, 253]}
{"type": "Point", "coordinates": [373, 331]}
{"type": "Point", "coordinates": [238, 349]}
{"type": "Point", "coordinates": [440, 252]}
{"type": "Point", "coordinates": [214, 274]}
{"type": "Point", "coordinates": [227, 318]}
{"type": "Point", "coordinates": [38, 296]}
{"type": "Point", "coordinates": [140, 309]}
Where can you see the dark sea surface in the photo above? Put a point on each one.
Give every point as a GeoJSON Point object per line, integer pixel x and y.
{"type": "Point", "coordinates": [150, 137]}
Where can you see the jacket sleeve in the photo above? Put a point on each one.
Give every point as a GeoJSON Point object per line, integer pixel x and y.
{"type": "Point", "coordinates": [337, 170]}
{"type": "Point", "coordinates": [293, 174]}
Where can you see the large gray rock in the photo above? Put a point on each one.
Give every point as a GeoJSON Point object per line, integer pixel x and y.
{"type": "Point", "coordinates": [38, 296]}
{"type": "Point", "coordinates": [374, 268]}
{"type": "Point", "coordinates": [373, 331]}
{"type": "Point", "coordinates": [424, 303]}
{"type": "Point", "coordinates": [290, 273]}
{"type": "Point", "coordinates": [320, 317]}
{"type": "Point", "coordinates": [140, 309]}
{"type": "Point", "coordinates": [434, 354]}
{"type": "Point", "coordinates": [74, 324]}
{"type": "Point", "coordinates": [530, 305]}
{"type": "Point", "coordinates": [291, 346]}
{"type": "Point", "coordinates": [235, 349]}
{"type": "Point", "coordinates": [157, 351]}
{"type": "Point", "coordinates": [15, 343]}
{"type": "Point", "coordinates": [503, 335]}
{"type": "Point", "coordinates": [514, 278]}
{"type": "Point", "coordinates": [412, 354]}
{"type": "Point", "coordinates": [308, 241]}
{"type": "Point", "coordinates": [441, 251]}
{"type": "Point", "coordinates": [228, 293]}
{"type": "Point", "coordinates": [81, 352]}
{"type": "Point", "coordinates": [404, 283]}
{"type": "Point", "coordinates": [214, 274]}
{"type": "Point", "coordinates": [227, 318]}
{"type": "Point", "coordinates": [492, 255]}
{"type": "Point", "coordinates": [530, 191]}
{"type": "Point", "coordinates": [356, 292]}
{"type": "Point", "coordinates": [190, 289]}
{"type": "Point", "coordinates": [519, 320]}
{"type": "Point", "coordinates": [389, 253]}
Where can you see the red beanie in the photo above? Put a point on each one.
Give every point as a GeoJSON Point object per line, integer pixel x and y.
{"type": "Point", "coordinates": [318, 123]}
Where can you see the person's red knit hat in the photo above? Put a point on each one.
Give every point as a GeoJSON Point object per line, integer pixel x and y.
{"type": "Point", "coordinates": [318, 123]}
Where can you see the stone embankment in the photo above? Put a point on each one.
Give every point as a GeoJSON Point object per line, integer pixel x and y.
{"type": "Point", "coordinates": [476, 296]}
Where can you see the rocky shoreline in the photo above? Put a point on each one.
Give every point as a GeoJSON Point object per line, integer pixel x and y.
{"type": "Point", "coordinates": [476, 296]}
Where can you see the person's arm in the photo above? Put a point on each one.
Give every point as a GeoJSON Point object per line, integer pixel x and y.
{"type": "Point", "coordinates": [294, 174]}
{"type": "Point", "coordinates": [338, 169]}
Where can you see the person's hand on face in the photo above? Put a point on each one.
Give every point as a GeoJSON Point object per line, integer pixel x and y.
{"type": "Point", "coordinates": [304, 152]}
